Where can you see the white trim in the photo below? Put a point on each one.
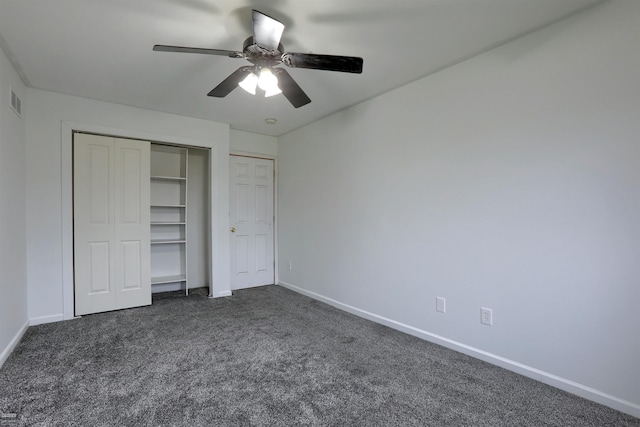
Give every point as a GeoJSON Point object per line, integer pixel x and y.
{"type": "Point", "coordinates": [66, 164]}
{"type": "Point", "coordinates": [252, 154]}
{"type": "Point", "coordinates": [525, 370]}
{"type": "Point", "coordinates": [253, 286]}
{"type": "Point", "coordinates": [222, 294]}
{"type": "Point", "coordinates": [214, 214]}
{"type": "Point", "coordinates": [46, 319]}
{"type": "Point", "coordinates": [276, 243]}
{"type": "Point", "coordinates": [13, 343]}
{"type": "Point", "coordinates": [67, 199]}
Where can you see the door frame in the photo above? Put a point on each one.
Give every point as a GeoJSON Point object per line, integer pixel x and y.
{"type": "Point", "coordinates": [218, 227]}
{"type": "Point", "coordinates": [276, 279]}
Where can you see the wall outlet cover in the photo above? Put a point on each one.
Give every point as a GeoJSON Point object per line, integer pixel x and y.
{"type": "Point", "coordinates": [486, 316]}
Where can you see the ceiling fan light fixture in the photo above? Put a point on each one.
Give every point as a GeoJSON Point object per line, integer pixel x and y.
{"type": "Point", "coordinates": [249, 83]}
{"type": "Point", "coordinates": [268, 82]}
{"type": "Point", "coordinates": [275, 90]}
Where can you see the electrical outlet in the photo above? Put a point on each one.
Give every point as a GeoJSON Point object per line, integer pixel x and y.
{"type": "Point", "coordinates": [486, 316]}
{"type": "Point", "coordinates": [290, 266]}
{"type": "Point", "coordinates": [440, 304]}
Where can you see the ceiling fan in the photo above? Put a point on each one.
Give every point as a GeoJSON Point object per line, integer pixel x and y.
{"type": "Point", "coordinates": [265, 52]}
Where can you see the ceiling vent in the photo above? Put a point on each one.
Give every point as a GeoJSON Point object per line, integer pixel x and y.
{"type": "Point", "coordinates": [16, 104]}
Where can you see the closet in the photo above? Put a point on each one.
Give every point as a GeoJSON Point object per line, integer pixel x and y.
{"type": "Point", "coordinates": [169, 215]}
{"type": "Point", "coordinates": [179, 218]}
{"type": "Point", "coordinates": [141, 221]}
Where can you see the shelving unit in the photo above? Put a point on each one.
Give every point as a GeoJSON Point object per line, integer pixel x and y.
{"type": "Point", "coordinates": [169, 171]}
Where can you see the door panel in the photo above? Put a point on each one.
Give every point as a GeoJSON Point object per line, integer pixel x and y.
{"type": "Point", "coordinates": [242, 254]}
{"type": "Point", "coordinates": [132, 223]}
{"type": "Point", "coordinates": [262, 205]}
{"type": "Point", "coordinates": [99, 253]}
{"type": "Point", "coordinates": [130, 186]}
{"type": "Point", "coordinates": [262, 253]}
{"type": "Point", "coordinates": [242, 203]}
{"type": "Point", "coordinates": [131, 256]}
{"type": "Point", "coordinates": [99, 191]}
{"type": "Point", "coordinates": [111, 223]}
{"type": "Point", "coordinates": [94, 223]}
{"type": "Point", "coordinates": [251, 219]}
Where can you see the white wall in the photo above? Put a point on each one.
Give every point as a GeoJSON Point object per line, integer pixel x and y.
{"type": "Point", "coordinates": [253, 143]}
{"type": "Point", "coordinates": [49, 232]}
{"type": "Point", "coordinates": [13, 280]}
{"type": "Point", "coordinates": [510, 181]}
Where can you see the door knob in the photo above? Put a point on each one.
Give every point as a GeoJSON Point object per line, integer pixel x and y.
{"type": "Point", "coordinates": [233, 229]}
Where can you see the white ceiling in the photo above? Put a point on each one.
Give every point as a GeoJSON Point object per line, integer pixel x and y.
{"type": "Point", "coordinates": [101, 49]}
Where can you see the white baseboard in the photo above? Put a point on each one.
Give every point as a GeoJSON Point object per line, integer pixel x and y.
{"type": "Point", "coordinates": [221, 294]}
{"type": "Point", "coordinates": [167, 287]}
{"type": "Point", "coordinates": [13, 343]}
{"type": "Point", "coordinates": [525, 370]}
{"type": "Point", "coordinates": [46, 319]}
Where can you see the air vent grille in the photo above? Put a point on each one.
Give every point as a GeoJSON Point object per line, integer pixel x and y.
{"type": "Point", "coordinates": [16, 104]}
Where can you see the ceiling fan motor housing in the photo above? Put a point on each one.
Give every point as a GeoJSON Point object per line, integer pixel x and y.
{"type": "Point", "coordinates": [258, 55]}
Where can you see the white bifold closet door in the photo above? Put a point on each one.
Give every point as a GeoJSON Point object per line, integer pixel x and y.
{"type": "Point", "coordinates": [111, 223]}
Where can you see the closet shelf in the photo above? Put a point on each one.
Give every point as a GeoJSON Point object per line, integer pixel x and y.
{"type": "Point", "coordinates": [167, 241]}
{"type": "Point", "coordinates": [168, 279]}
{"type": "Point", "coordinates": [168, 223]}
{"type": "Point", "coordinates": [168, 178]}
{"type": "Point", "coordinates": [168, 206]}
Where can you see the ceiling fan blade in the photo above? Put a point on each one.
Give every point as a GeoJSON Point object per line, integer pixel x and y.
{"type": "Point", "coordinates": [345, 64]}
{"type": "Point", "coordinates": [266, 30]}
{"type": "Point", "coordinates": [229, 53]}
{"type": "Point", "coordinates": [231, 82]}
{"type": "Point", "coordinates": [290, 88]}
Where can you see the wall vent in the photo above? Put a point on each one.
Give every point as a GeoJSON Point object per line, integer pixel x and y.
{"type": "Point", "coordinates": [16, 104]}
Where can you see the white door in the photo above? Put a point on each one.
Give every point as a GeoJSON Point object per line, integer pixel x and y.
{"type": "Point", "coordinates": [251, 219]}
{"type": "Point", "coordinates": [111, 223]}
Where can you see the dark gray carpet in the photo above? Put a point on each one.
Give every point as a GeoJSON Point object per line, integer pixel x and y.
{"type": "Point", "coordinates": [266, 356]}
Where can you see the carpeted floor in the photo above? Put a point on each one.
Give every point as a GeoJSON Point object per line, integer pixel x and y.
{"type": "Point", "coordinates": [265, 357]}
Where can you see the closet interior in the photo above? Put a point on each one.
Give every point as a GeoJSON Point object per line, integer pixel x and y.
{"type": "Point", "coordinates": [179, 219]}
